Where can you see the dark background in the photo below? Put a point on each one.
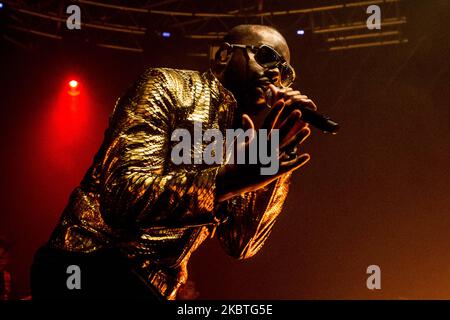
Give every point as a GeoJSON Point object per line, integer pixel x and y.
{"type": "Point", "coordinates": [376, 193]}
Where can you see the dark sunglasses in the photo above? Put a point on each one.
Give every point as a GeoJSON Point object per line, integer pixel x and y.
{"type": "Point", "coordinates": [269, 58]}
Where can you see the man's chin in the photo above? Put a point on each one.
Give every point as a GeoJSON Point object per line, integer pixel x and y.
{"type": "Point", "coordinates": [255, 100]}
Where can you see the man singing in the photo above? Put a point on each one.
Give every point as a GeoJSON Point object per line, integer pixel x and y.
{"type": "Point", "coordinates": [136, 217]}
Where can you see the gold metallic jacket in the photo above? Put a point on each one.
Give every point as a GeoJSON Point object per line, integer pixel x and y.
{"type": "Point", "coordinates": [156, 213]}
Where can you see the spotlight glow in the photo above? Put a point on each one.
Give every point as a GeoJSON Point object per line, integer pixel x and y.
{"type": "Point", "coordinates": [165, 34]}
{"type": "Point", "coordinates": [300, 32]}
{"type": "Point", "coordinates": [73, 87]}
{"type": "Point", "coordinates": [73, 84]}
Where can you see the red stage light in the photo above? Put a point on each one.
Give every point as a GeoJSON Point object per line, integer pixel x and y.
{"type": "Point", "coordinates": [73, 88]}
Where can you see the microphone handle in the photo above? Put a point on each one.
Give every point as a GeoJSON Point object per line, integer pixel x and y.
{"type": "Point", "coordinates": [321, 122]}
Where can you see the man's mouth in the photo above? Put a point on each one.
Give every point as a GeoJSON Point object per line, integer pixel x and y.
{"type": "Point", "coordinates": [262, 86]}
{"type": "Point", "coordinates": [264, 83]}
{"type": "Point", "coordinates": [261, 89]}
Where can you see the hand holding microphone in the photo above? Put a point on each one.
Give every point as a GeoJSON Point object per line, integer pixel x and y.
{"type": "Point", "coordinates": [295, 100]}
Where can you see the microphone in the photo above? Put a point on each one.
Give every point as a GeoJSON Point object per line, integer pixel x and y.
{"type": "Point", "coordinates": [321, 122]}
{"type": "Point", "coordinates": [314, 118]}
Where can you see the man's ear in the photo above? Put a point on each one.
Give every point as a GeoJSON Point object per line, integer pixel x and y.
{"type": "Point", "coordinates": [223, 54]}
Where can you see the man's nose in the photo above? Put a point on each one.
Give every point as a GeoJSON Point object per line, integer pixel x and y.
{"type": "Point", "coordinates": [274, 75]}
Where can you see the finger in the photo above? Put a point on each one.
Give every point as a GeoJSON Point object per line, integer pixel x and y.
{"type": "Point", "coordinates": [247, 124]}
{"type": "Point", "coordinates": [285, 114]}
{"type": "Point", "coordinates": [305, 102]}
{"type": "Point", "coordinates": [292, 165]}
{"type": "Point", "coordinates": [287, 125]}
{"type": "Point", "coordinates": [292, 134]}
{"type": "Point", "coordinates": [277, 93]}
{"type": "Point", "coordinates": [274, 91]}
{"type": "Point", "coordinates": [291, 93]}
{"type": "Point", "coordinates": [289, 106]}
{"type": "Point", "coordinates": [287, 155]}
{"type": "Point", "coordinates": [273, 115]}
{"type": "Point", "coordinates": [296, 140]}
{"type": "Point", "coordinates": [286, 167]}
{"type": "Point", "coordinates": [314, 106]}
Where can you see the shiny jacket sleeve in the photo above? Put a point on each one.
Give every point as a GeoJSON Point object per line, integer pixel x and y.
{"type": "Point", "coordinates": [251, 217]}
{"type": "Point", "coordinates": [136, 186]}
